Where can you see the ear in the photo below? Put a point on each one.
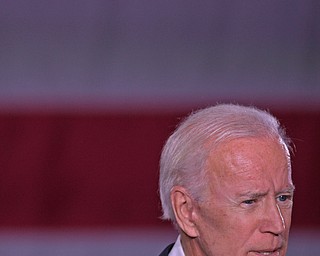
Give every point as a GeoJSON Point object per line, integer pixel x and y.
{"type": "Point", "coordinates": [184, 210]}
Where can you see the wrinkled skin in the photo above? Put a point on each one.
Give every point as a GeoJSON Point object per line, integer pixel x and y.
{"type": "Point", "coordinates": [248, 205]}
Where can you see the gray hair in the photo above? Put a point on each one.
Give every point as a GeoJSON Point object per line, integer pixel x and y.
{"type": "Point", "coordinates": [185, 153]}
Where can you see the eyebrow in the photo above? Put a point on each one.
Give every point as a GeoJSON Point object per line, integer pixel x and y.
{"type": "Point", "coordinates": [290, 190]}
{"type": "Point", "coordinates": [252, 194]}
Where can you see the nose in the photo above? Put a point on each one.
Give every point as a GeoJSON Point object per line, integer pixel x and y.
{"type": "Point", "coordinates": [273, 221]}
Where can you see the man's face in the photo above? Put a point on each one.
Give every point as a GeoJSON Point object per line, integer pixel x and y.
{"type": "Point", "coordinates": [249, 203]}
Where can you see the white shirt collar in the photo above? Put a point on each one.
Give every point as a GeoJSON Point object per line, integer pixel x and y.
{"type": "Point", "coordinates": [177, 249]}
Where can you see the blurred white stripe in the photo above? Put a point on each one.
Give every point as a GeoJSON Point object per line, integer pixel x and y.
{"type": "Point", "coordinates": [117, 242]}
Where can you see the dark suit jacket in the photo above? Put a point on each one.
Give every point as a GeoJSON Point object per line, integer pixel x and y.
{"type": "Point", "coordinates": [166, 251]}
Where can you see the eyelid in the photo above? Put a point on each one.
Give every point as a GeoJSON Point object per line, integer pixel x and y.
{"type": "Point", "coordinates": [289, 191]}
{"type": "Point", "coordinates": [249, 201]}
{"type": "Point", "coordinates": [288, 196]}
{"type": "Point", "coordinates": [286, 193]}
{"type": "Point", "coordinates": [253, 196]}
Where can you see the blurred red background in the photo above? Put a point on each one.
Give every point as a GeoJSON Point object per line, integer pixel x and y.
{"type": "Point", "coordinates": [101, 169]}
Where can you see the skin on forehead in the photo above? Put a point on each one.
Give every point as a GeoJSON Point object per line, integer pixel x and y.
{"type": "Point", "coordinates": [241, 158]}
{"type": "Point", "coordinates": [248, 204]}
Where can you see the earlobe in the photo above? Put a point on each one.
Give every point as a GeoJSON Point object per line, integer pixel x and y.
{"type": "Point", "coordinates": [184, 210]}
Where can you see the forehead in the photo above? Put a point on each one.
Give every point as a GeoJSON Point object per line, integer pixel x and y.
{"type": "Point", "coordinates": [250, 159]}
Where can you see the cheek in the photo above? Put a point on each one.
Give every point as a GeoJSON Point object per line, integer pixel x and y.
{"type": "Point", "coordinates": [226, 233]}
{"type": "Point", "coordinates": [210, 223]}
{"type": "Point", "coordinates": [286, 214]}
{"type": "Point", "coordinates": [224, 223]}
{"type": "Point", "coordinates": [241, 224]}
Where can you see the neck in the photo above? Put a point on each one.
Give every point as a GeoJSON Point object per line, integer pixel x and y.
{"type": "Point", "coordinates": [191, 246]}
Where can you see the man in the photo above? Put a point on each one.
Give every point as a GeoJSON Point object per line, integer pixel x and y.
{"type": "Point", "coordinates": [225, 182]}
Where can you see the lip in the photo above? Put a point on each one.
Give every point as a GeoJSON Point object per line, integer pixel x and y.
{"type": "Point", "coordinates": [272, 252]}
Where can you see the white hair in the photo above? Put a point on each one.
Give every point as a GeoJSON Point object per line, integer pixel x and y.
{"type": "Point", "coordinates": [185, 153]}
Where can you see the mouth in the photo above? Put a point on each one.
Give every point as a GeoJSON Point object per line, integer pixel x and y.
{"type": "Point", "coordinates": [268, 252]}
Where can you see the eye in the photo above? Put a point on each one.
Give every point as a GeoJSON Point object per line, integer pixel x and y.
{"type": "Point", "coordinates": [248, 202]}
{"type": "Point", "coordinates": [284, 198]}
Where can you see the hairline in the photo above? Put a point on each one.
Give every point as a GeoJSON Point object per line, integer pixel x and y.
{"type": "Point", "coordinates": [265, 127]}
